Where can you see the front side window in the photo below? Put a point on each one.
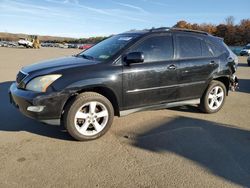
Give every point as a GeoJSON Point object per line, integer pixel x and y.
{"type": "Point", "coordinates": [189, 47]}
{"type": "Point", "coordinates": [156, 48]}
{"type": "Point", "coordinates": [108, 48]}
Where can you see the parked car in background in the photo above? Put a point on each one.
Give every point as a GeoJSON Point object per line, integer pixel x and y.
{"type": "Point", "coordinates": [248, 61]}
{"type": "Point", "coordinates": [62, 45]}
{"type": "Point", "coordinates": [72, 46]}
{"type": "Point", "coordinates": [245, 51]}
{"type": "Point", "coordinates": [12, 44]}
{"type": "Point", "coordinates": [86, 46]}
{"type": "Point", "coordinates": [45, 44]}
{"type": "Point", "coordinates": [24, 42]}
{"type": "Point", "coordinates": [1, 44]}
{"type": "Point", "coordinates": [127, 73]}
{"type": "Point", "coordinates": [8, 44]}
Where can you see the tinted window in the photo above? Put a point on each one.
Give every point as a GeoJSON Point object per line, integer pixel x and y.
{"type": "Point", "coordinates": [206, 51]}
{"type": "Point", "coordinates": [189, 46]}
{"type": "Point", "coordinates": [218, 46]}
{"type": "Point", "coordinates": [216, 51]}
{"type": "Point", "coordinates": [157, 48]}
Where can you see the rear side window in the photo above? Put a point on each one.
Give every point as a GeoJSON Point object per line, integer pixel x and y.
{"type": "Point", "coordinates": [156, 48]}
{"type": "Point", "coordinates": [189, 46]}
{"type": "Point", "coordinates": [206, 50]}
{"type": "Point", "coordinates": [217, 46]}
{"type": "Point", "coordinates": [215, 49]}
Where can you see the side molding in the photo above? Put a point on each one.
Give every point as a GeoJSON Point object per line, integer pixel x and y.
{"type": "Point", "coordinates": [160, 106]}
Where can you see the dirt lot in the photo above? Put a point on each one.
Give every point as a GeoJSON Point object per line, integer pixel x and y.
{"type": "Point", "coordinates": [178, 147]}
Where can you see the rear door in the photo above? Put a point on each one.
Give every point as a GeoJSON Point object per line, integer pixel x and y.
{"type": "Point", "coordinates": [155, 80]}
{"type": "Point", "coordinates": [196, 65]}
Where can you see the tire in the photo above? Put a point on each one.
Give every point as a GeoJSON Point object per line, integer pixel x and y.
{"type": "Point", "coordinates": [213, 98]}
{"type": "Point", "coordinates": [89, 116]}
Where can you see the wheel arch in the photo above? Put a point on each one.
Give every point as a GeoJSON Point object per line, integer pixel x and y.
{"type": "Point", "coordinates": [225, 80]}
{"type": "Point", "coordinates": [102, 90]}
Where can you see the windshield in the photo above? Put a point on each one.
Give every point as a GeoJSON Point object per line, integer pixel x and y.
{"type": "Point", "coordinates": [107, 48]}
{"type": "Point", "coordinates": [247, 47]}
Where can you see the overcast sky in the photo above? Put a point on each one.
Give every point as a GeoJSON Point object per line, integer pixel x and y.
{"type": "Point", "coordinates": [84, 18]}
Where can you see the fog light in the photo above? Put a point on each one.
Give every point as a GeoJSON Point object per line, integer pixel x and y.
{"type": "Point", "coordinates": [35, 108]}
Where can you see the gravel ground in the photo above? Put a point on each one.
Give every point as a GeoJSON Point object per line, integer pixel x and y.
{"type": "Point", "coordinates": [178, 147]}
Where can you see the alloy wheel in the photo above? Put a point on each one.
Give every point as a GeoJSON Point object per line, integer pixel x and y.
{"type": "Point", "coordinates": [91, 118]}
{"type": "Point", "coordinates": [215, 97]}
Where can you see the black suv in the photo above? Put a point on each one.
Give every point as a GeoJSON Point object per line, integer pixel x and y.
{"type": "Point", "coordinates": [126, 73]}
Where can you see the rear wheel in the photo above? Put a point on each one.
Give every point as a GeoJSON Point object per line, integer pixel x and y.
{"type": "Point", "coordinates": [214, 97]}
{"type": "Point", "coordinates": [89, 116]}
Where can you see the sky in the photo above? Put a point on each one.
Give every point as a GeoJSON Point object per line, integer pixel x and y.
{"type": "Point", "coordinates": [86, 18]}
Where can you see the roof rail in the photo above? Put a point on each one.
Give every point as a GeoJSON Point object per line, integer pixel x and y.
{"type": "Point", "coordinates": [160, 29]}
{"type": "Point", "coordinates": [177, 29]}
{"type": "Point", "coordinates": [189, 30]}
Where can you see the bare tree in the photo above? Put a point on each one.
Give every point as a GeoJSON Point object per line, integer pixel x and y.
{"type": "Point", "coordinates": [230, 20]}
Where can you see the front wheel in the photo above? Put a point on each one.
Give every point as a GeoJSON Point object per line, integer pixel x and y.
{"type": "Point", "coordinates": [89, 116]}
{"type": "Point", "coordinates": [214, 97]}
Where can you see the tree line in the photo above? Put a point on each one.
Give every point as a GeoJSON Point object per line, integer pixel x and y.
{"type": "Point", "coordinates": [233, 34]}
{"type": "Point", "coordinates": [91, 40]}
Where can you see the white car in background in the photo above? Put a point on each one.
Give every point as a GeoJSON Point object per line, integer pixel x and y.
{"type": "Point", "coordinates": [24, 42]}
{"type": "Point", "coordinates": [245, 50]}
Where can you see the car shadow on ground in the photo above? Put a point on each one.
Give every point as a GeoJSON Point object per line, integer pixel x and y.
{"type": "Point", "coordinates": [12, 120]}
{"type": "Point", "coordinates": [244, 85]}
{"type": "Point", "coordinates": [243, 64]}
{"type": "Point", "coordinates": [189, 108]}
{"type": "Point", "coordinates": [221, 149]}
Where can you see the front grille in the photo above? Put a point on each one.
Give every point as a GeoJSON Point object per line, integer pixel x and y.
{"type": "Point", "coordinates": [20, 76]}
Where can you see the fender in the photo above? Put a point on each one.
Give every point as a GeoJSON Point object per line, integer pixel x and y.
{"type": "Point", "coordinates": [97, 85]}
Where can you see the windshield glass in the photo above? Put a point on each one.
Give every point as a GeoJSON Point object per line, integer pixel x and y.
{"type": "Point", "coordinates": [107, 48]}
{"type": "Point", "coordinates": [247, 47]}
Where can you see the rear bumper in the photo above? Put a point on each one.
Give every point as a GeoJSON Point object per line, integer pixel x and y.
{"type": "Point", "coordinates": [52, 104]}
{"type": "Point", "coordinates": [234, 83]}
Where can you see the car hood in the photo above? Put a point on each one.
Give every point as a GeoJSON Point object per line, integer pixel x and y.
{"type": "Point", "coordinates": [57, 64]}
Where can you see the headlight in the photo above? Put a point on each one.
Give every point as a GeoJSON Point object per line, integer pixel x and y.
{"type": "Point", "coordinates": [41, 83]}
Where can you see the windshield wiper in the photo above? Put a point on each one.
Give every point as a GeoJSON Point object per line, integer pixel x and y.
{"type": "Point", "coordinates": [86, 57]}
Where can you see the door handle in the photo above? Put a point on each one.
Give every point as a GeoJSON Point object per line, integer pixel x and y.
{"type": "Point", "coordinates": [172, 67]}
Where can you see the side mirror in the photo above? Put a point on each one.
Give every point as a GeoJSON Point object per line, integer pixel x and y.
{"type": "Point", "coordinates": [133, 57]}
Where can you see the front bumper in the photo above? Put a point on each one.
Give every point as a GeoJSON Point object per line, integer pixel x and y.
{"type": "Point", "coordinates": [52, 104]}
